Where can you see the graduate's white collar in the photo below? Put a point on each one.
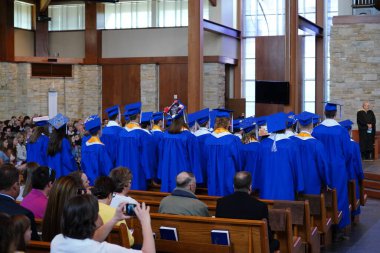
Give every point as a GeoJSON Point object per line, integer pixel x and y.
{"type": "Point", "coordinates": [289, 133]}
{"type": "Point", "coordinates": [201, 131]}
{"type": "Point", "coordinates": [239, 136]}
{"type": "Point", "coordinates": [330, 123]}
{"type": "Point", "coordinates": [219, 135]}
{"type": "Point", "coordinates": [146, 130]}
{"type": "Point", "coordinates": [112, 123]}
{"type": "Point", "coordinates": [279, 137]}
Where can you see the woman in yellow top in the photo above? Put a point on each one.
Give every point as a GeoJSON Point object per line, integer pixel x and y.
{"type": "Point", "coordinates": [103, 190]}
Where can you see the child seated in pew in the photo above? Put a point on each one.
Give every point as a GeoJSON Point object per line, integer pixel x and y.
{"type": "Point", "coordinates": [79, 221]}
{"type": "Point", "coordinates": [7, 240]}
{"type": "Point", "coordinates": [23, 232]}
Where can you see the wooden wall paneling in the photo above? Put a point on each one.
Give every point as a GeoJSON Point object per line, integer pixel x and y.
{"type": "Point", "coordinates": [270, 65]}
{"type": "Point", "coordinates": [172, 81]}
{"type": "Point", "coordinates": [120, 85]}
{"type": "Point", "coordinates": [320, 62]}
{"type": "Point", "coordinates": [51, 70]}
{"type": "Point", "coordinates": [92, 40]}
{"type": "Point", "coordinates": [237, 68]}
{"type": "Point", "coordinates": [7, 37]}
{"type": "Point", "coordinates": [299, 89]}
{"type": "Point", "coordinates": [165, 60]}
{"type": "Point", "coordinates": [41, 38]}
{"type": "Point", "coordinates": [237, 105]}
{"type": "Point", "coordinates": [195, 56]}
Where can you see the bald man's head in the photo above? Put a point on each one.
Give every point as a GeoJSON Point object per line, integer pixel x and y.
{"type": "Point", "coordinates": [242, 181]}
{"type": "Point", "coordinates": [366, 105]}
{"type": "Point", "coordinates": [185, 180]}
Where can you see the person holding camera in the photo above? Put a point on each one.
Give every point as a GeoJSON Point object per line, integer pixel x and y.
{"type": "Point", "coordinates": [78, 225]}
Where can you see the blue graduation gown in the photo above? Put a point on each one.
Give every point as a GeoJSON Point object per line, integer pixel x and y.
{"type": "Point", "coordinates": [336, 142]}
{"type": "Point", "coordinates": [177, 153]}
{"type": "Point", "coordinates": [250, 157]}
{"type": "Point", "coordinates": [279, 175]}
{"type": "Point", "coordinates": [157, 137]}
{"type": "Point", "coordinates": [95, 160]}
{"type": "Point", "coordinates": [356, 169]}
{"type": "Point", "coordinates": [223, 161]}
{"type": "Point", "coordinates": [63, 162]}
{"type": "Point", "coordinates": [314, 164]}
{"type": "Point", "coordinates": [202, 135]}
{"type": "Point", "coordinates": [136, 152]}
{"type": "Point", "coordinates": [109, 138]}
{"type": "Point", "coordinates": [37, 151]}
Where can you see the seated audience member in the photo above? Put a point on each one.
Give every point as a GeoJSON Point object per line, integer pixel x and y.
{"type": "Point", "coordinates": [82, 179]}
{"type": "Point", "coordinates": [7, 240]}
{"type": "Point", "coordinates": [9, 190]}
{"type": "Point", "coordinates": [79, 219]}
{"type": "Point", "coordinates": [42, 182]}
{"type": "Point", "coordinates": [63, 189]}
{"type": "Point", "coordinates": [183, 201]}
{"type": "Point", "coordinates": [103, 190]}
{"type": "Point", "coordinates": [23, 232]}
{"type": "Point", "coordinates": [122, 178]}
{"type": "Point", "coordinates": [27, 174]}
{"type": "Point", "coordinates": [241, 205]}
{"type": "Point", "coordinates": [20, 148]}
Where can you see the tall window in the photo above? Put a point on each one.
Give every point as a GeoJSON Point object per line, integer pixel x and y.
{"type": "Point", "coordinates": [332, 10]}
{"type": "Point", "coordinates": [23, 15]}
{"type": "Point", "coordinates": [67, 17]}
{"type": "Point", "coordinates": [149, 13]}
{"type": "Point", "coordinates": [261, 18]}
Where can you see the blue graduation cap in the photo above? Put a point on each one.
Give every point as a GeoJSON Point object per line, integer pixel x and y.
{"type": "Point", "coordinates": [132, 109]}
{"type": "Point", "coordinates": [291, 120]}
{"type": "Point", "coordinates": [276, 122]}
{"type": "Point", "coordinates": [191, 117]}
{"type": "Point", "coordinates": [113, 110]}
{"type": "Point", "coordinates": [237, 124]}
{"type": "Point", "coordinates": [203, 116]}
{"type": "Point", "coordinates": [222, 113]}
{"type": "Point", "coordinates": [92, 123]}
{"type": "Point", "coordinates": [146, 117]}
{"type": "Point", "coordinates": [212, 118]}
{"type": "Point", "coordinates": [248, 124]}
{"type": "Point", "coordinates": [168, 121]}
{"type": "Point", "coordinates": [41, 121]}
{"type": "Point", "coordinates": [329, 107]}
{"type": "Point", "coordinates": [175, 110]}
{"type": "Point", "coordinates": [158, 116]}
{"type": "Point", "coordinates": [346, 124]}
{"type": "Point", "coordinates": [59, 121]}
{"type": "Point", "coordinates": [305, 118]}
{"type": "Point", "coordinates": [260, 121]}
{"type": "Point", "coordinates": [316, 119]}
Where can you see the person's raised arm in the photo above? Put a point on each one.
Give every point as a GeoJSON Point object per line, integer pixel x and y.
{"type": "Point", "coordinates": [102, 232]}
{"type": "Point", "coordinates": [148, 241]}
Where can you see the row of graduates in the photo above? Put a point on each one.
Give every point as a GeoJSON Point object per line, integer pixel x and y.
{"type": "Point", "coordinates": [282, 163]}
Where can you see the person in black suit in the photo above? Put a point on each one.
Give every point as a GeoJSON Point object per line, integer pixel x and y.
{"type": "Point", "coordinates": [9, 190]}
{"type": "Point", "coordinates": [241, 205]}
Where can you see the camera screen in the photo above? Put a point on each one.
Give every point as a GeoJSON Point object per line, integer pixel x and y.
{"type": "Point", "coordinates": [129, 209]}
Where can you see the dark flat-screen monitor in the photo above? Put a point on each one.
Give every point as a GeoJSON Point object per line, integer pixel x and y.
{"type": "Point", "coordinates": [272, 92]}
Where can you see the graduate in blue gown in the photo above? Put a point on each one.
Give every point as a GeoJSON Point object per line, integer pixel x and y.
{"type": "Point", "coordinates": [178, 151]}
{"type": "Point", "coordinates": [290, 125]}
{"type": "Point", "coordinates": [355, 163]}
{"type": "Point", "coordinates": [279, 176]}
{"type": "Point", "coordinates": [316, 172]}
{"type": "Point", "coordinates": [201, 120]}
{"type": "Point", "coordinates": [250, 149]}
{"type": "Point", "coordinates": [223, 156]}
{"type": "Point", "coordinates": [136, 149]}
{"type": "Point", "coordinates": [336, 143]}
{"type": "Point", "coordinates": [59, 152]}
{"type": "Point", "coordinates": [158, 134]}
{"type": "Point", "coordinates": [36, 147]}
{"type": "Point", "coordinates": [95, 160]}
{"type": "Point", "coordinates": [110, 132]}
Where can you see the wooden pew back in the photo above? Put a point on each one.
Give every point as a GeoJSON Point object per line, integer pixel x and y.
{"type": "Point", "coordinates": [245, 235]}
{"type": "Point", "coordinates": [38, 247]}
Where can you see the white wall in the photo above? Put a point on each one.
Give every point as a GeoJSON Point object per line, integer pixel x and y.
{"type": "Point", "coordinates": [164, 42]}
{"type": "Point", "coordinates": [223, 12]}
{"type": "Point", "coordinates": [67, 44]}
{"type": "Point", "coordinates": [24, 42]}
{"type": "Point", "coordinates": [344, 7]}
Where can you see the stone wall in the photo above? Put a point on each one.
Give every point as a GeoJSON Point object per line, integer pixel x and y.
{"type": "Point", "coordinates": [355, 66]}
{"type": "Point", "coordinates": [149, 87]}
{"type": "Point", "coordinates": [78, 97]}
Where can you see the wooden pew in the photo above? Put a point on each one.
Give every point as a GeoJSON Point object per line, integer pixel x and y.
{"type": "Point", "coordinates": [38, 247]}
{"type": "Point", "coordinates": [118, 235]}
{"type": "Point", "coordinates": [319, 216]}
{"type": "Point", "coordinates": [281, 225]}
{"type": "Point", "coordinates": [194, 233]}
{"type": "Point", "coordinates": [363, 195]}
{"type": "Point", "coordinates": [352, 197]}
{"type": "Point", "coordinates": [331, 201]}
